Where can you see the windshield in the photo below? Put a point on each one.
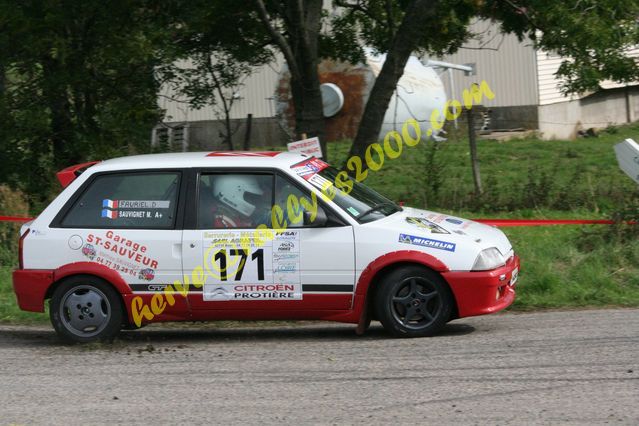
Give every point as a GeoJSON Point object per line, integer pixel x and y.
{"type": "Point", "coordinates": [362, 203]}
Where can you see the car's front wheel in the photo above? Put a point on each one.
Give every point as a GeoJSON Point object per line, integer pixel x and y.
{"type": "Point", "coordinates": [413, 301]}
{"type": "Point", "coordinates": [85, 309]}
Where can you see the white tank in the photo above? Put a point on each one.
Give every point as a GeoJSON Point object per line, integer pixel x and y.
{"type": "Point", "coordinates": [345, 90]}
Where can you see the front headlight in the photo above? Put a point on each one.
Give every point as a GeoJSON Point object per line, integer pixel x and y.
{"type": "Point", "coordinates": [490, 258]}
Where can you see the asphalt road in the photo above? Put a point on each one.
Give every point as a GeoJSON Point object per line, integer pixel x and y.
{"type": "Point", "coordinates": [575, 367]}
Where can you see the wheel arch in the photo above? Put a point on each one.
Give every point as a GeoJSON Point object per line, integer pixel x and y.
{"type": "Point", "coordinates": [368, 282]}
{"type": "Point", "coordinates": [90, 269]}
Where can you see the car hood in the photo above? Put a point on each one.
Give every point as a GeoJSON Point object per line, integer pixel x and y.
{"type": "Point", "coordinates": [428, 224]}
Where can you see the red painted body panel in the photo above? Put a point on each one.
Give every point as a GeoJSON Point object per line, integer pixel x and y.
{"type": "Point", "coordinates": [304, 309]}
{"type": "Point", "coordinates": [93, 268]}
{"type": "Point", "coordinates": [359, 313]}
{"type": "Point", "coordinates": [30, 286]}
{"type": "Point", "coordinates": [180, 311]}
{"type": "Point", "coordinates": [68, 175]}
{"type": "Point", "coordinates": [310, 301]}
{"type": "Point", "coordinates": [475, 292]}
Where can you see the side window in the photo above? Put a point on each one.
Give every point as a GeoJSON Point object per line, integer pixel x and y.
{"type": "Point", "coordinates": [234, 200]}
{"type": "Point", "coordinates": [127, 200]}
{"type": "Point", "coordinates": [299, 200]}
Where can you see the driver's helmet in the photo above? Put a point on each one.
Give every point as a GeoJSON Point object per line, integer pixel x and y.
{"type": "Point", "coordinates": [241, 193]}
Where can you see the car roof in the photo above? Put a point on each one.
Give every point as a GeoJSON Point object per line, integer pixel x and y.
{"type": "Point", "coordinates": [176, 160]}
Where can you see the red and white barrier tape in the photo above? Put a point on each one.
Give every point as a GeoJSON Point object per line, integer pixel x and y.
{"type": "Point", "coordinates": [493, 222]}
{"type": "Point", "coordinates": [544, 222]}
{"type": "Point", "coordinates": [14, 219]}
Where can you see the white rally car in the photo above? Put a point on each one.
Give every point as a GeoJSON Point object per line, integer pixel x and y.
{"type": "Point", "coordinates": [255, 235]}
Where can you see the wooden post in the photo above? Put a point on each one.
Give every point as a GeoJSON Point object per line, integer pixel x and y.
{"type": "Point", "coordinates": [247, 134]}
{"type": "Point", "coordinates": [474, 160]}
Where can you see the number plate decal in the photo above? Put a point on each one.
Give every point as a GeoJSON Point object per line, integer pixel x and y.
{"type": "Point", "coordinates": [241, 265]}
{"type": "Point", "coordinates": [514, 276]}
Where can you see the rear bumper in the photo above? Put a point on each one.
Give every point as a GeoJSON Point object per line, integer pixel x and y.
{"type": "Point", "coordinates": [484, 292]}
{"type": "Point", "coordinates": [30, 286]}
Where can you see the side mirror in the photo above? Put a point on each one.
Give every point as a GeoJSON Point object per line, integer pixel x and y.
{"type": "Point", "coordinates": [319, 220]}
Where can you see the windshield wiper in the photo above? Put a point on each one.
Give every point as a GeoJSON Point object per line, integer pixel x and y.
{"type": "Point", "coordinates": [376, 207]}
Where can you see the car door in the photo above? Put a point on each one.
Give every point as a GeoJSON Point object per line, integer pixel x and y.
{"type": "Point", "coordinates": [130, 222]}
{"type": "Point", "coordinates": [252, 268]}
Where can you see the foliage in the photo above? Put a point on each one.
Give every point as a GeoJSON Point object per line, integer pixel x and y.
{"type": "Point", "coordinates": [78, 84]}
{"type": "Point", "coordinates": [374, 23]}
{"type": "Point", "coordinates": [206, 60]}
{"type": "Point", "coordinates": [593, 36]}
{"type": "Point", "coordinates": [12, 203]}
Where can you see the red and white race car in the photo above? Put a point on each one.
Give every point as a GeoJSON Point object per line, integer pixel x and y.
{"type": "Point", "coordinates": [232, 236]}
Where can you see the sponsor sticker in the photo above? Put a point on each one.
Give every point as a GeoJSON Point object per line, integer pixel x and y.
{"type": "Point", "coordinates": [426, 242]}
{"type": "Point", "coordinates": [118, 252]}
{"type": "Point", "coordinates": [89, 251]}
{"type": "Point", "coordinates": [422, 223]}
{"type": "Point", "coordinates": [306, 169]}
{"type": "Point", "coordinates": [241, 268]}
{"type": "Point", "coordinates": [454, 221]}
{"type": "Point", "coordinates": [320, 182]}
{"type": "Point", "coordinates": [146, 274]}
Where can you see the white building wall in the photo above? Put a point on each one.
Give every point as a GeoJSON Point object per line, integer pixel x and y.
{"type": "Point", "coordinates": [255, 97]}
{"type": "Point", "coordinates": [507, 65]}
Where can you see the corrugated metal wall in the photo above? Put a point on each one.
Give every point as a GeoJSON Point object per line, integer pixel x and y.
{"type": "Point", "coordinates": [549, 85]}
{"type": "Point", "coordinates": [507, 65]}
{"type": "Point", "coordinates": [256, 97]}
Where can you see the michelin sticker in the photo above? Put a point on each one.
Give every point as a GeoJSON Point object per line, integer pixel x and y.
{"type": "Point", "coordinates": [426, 242]}
{"type": "Point", "coordinates": [239, 267]}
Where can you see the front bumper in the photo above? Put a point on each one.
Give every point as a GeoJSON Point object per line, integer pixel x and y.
{"type": "Point", "coordinates": [30, 286]}
{"type": "Point", "coordinates": [484, 292]}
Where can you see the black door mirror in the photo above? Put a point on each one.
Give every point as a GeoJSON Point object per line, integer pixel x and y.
{"type": "Point", "coordinates": [319, 220]}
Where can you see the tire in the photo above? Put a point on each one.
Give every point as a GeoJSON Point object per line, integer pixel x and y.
{"type": "Point", "coordinates": [85, 309]}
{"type": "Point", "coordinates": [413, 301]}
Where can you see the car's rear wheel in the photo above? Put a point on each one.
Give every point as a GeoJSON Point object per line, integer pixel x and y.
{"type": "Point", "coordinates": [85, 309]}
{"type": "Point", "coordinates": [413, 301]}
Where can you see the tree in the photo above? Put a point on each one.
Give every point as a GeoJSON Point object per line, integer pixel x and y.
{"type": "Point", "coordinates": [427, 25]}
{"type": "Point", "coordinates": [212, 48]}
{"type": "Point", "coordinates": [78, 85]}
{"type": "Point", "coordinates": [592, 35]}
{"type": "Point", "coordinates": [295, 28]}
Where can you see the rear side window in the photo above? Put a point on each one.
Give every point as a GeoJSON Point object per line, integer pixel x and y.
{"type": "Point", "coordinates": [127, 200]}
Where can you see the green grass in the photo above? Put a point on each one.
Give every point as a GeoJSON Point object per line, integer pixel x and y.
{"type": "Point", "coordinates": [562, 266]}
{"type": "Point", "coordinates": [557, 272]}
{"type": "Point", "coordinates": [517, 174]}
{"type": "Point", "coordinates": [9, 311]}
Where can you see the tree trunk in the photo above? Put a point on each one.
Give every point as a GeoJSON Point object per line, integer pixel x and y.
{"type": "Point", "coordinates": [305, 87]}
{"type": "Point", "coordinates": [309, 118]}
{"type": "Point", "coordinates": [247, 133]}
{"type": "Point", "coordinates": [299, 45]}
{"type": "Point", "coordinates": [412, 28]}
{"type": "Point", "coordinates": [61, 126]}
